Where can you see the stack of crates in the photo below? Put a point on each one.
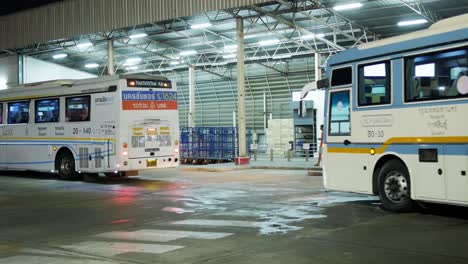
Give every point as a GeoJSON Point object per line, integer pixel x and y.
{"type": "Point", "coordinates": [208, 144]}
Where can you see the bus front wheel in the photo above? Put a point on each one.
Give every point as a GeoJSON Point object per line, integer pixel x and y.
{"type": "Point", "coordinates": [394, 187]}
{"type": "Point", "coordinates": [66, 167]}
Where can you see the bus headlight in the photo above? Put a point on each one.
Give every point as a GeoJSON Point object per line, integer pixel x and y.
{"type": "Point", "coordinates": [176, 150]}
{"type": "Point", "coordinates": [125, 153]}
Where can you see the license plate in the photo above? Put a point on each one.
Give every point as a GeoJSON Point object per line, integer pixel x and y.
{"type": "Point", "coordinates": [151, 162]}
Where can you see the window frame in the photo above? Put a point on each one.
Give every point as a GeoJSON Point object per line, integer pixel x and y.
{"type": "Point", "coordinates": [36, 110]}
{"type": "Point", "coordinates": [340, 68]}
{"type": "Point", "coordinates": [387, 62]}
{"type": "Point", "coordinates": [1, 113]}
{"type": "Point", "coordinates": [428, 53]}
{"type": "Point", "coordinates": [67, 104]}
{"type": "Point", "coordinates": [330, 112]}
{"type": "Point", "coordinates": [15, 102]}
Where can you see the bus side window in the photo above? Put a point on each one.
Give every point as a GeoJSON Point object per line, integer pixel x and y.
{"type": "Point", "coordinates": [1, 113]}
{"type": "Point", "coordinates": [435, 76]}
{"type": "Point", "coordinates": [47, 110]}
{"type": "Point", "coordinates": [374, 84]}
{"type": "Point", "coordinates": [78, 108]}
{"type": "Point", "coordinates": [18, 113]}
{"type": "Point", "coordinates": [342, 76]}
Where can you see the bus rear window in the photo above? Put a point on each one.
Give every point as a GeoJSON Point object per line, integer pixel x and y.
{"type": "Point", "coordinates": [78, 109]}
{"type": "Point", "coordinates": [47, 110]}
{"type": "Point", "coordinates": [342, 76]}
{"type": "Point", "coordinates": [18, 113]}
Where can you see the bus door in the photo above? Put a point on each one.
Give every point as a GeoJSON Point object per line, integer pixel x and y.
{"type": "Point", "coordinates": [430, 173]}
{"type": "Point", "coordinates": [342, 160]}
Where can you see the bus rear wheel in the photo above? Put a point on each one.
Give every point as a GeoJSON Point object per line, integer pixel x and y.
{"type": "Point", "coordinates": [66, 167]}
{"type": "Point", "coordinates": [394, 187]}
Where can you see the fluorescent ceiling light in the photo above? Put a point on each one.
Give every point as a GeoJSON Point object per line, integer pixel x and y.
{"type": "Point", "coordinates": [91, 65]}
{"type": "Point", "coordinates": [132, 68]}
{"type": "Point", "coordinates": [320, 35]}
{"type": "Point", "coordinates": [312, 36]}
{"type": "Point", "coordinates": [347, 6]}
{"type": "Point", "coordinates": [229, 56]}
{"type": "Point", "coordinates": [412, 22]}
{"type": "Point", "coordinates": [202, 25]}
{"type": "Point", "coordinates": [84, 45]}
{"type": "Point", "coordinates": [138, 35]}
{"type": "Point", "coordinates": [282, 56]}
{"type": "Point", "coordinates": [230, 47]}
{"type": "Point", "coordinates": [60, 56]}
{"type": "Point", "coordinates": [174, 63]}
{"type": "Point", "coordinates": [268, 42]}
{"type": "Point", "coordinates": [188, 53]}
{"type": "Point", "coordinates": [133, 60]}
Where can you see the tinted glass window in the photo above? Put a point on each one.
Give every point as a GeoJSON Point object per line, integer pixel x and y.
{"type": "Point", "coordinates": [1, 113]}
{"type": "Point", "coordinates": [441, 75]}
{"type": "Point", "coordinates": [47, 110]}
{"type": "Point", "coordinates": [339, 113]}
{"type": "Point", "coordinates": [374, 84]}
{"type": "Point", "coordinates": [342, 76]}
{"type": "Point", "coordinates": [18, 113]}
{"type": "Point", "coordinates": [78, 108]}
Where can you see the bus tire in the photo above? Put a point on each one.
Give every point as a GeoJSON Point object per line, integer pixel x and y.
{"type": "Point", "coordinates": [66, 166]}
{"type": "Point", "coordinates": [394, 187]}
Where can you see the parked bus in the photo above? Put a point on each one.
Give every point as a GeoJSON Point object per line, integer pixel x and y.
{"type": "Point", "coordinates": [395, 117]}
{"type": "Point", "coordinates": [115, 125]}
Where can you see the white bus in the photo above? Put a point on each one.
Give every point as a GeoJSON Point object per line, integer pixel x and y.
{"type": "Point", "coordinates": [396, 123]}
{"type": "Point", "coordinates": [115, 125]}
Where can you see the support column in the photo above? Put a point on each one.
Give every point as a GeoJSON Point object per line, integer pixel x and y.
{"type": "Point", "coordinates": [110, 57]}
{"type": "Point", "coordinates": [192, 81]}
{"type": "Point", "coordinates": [318, 71]}
{"type": "Point", "coordinates": [242, 159]}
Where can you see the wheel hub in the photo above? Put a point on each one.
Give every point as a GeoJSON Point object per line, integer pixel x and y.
{"type": "Point", "coordinates": [396, 187]}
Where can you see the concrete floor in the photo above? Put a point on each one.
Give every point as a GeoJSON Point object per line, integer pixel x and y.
{"type": "Point", "coordinates": [246, 216]}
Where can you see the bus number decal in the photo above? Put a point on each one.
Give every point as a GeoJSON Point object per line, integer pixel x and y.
{"type": "Point", "coordinates": [375, 133]}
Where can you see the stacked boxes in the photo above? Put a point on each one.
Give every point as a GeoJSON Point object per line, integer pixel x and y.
{"type": "Point", "coordinates": [278, 135]}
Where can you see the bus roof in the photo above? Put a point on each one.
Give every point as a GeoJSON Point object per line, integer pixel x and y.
{"type": "Point", "coordinates": [450, 30]}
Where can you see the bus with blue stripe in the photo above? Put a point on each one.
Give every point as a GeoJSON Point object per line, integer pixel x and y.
{"type": "Point", "coordinates": [114, 125]}
{"type": "Point", "coordinates": [396, 117]}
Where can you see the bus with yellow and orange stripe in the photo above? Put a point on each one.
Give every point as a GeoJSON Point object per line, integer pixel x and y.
{"type": "Point", "coordinates": [395, 118]}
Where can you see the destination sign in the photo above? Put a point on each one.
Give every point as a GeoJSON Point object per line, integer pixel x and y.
{"type": "Point", "coordinates": [149, 84]}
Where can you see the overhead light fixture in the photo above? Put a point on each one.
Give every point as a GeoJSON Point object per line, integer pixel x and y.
{"type": "Point", "coordinates": [188, 53]}
{"type": "Point", "coordinates": [84, 45]}
{"type": "Point", "coordinates": [133, 60]}
{"type": "Point", "coordinates": [320, 35]}
{"type": "Point", "coordinates": [138, 35]}
{"type": "Point", "coordinates": [91, 65]}
{"type": "Point", "coordinates": [229, 56]}
{"type": "Point", "coordinates": [268, 42]}
{"type": "Point", "coordinates": [132, 68]}
{"type": "Point", "coordinates": [60, 56]}
{"type": "Point", "coordinates": [412, 22]}
{"type": "Point", "coordinates": [230, 47]}
{"type": "Point", "coordinates": [174, 63]}
{"type": "Point", "coordinates": [347, 6]}
{"type": "Point", "coordinates": [199, 26]}
{"type": "Point", "coordinates": [282, 56]}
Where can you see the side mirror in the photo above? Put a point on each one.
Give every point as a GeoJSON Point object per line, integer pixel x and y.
{"type": "Point", "coordinates": [316, 85]}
